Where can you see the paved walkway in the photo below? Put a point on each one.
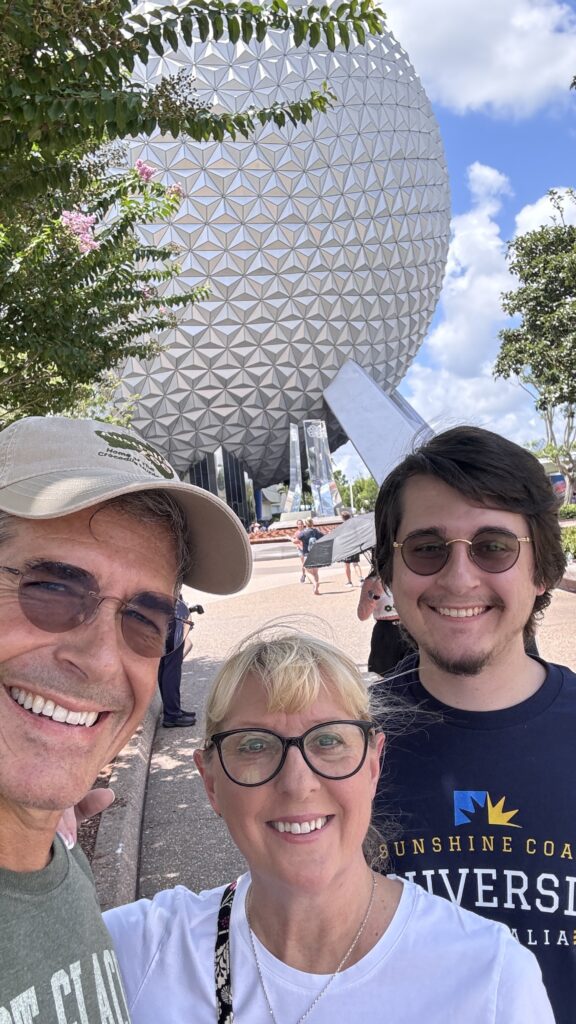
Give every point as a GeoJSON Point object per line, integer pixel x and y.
{"type": "Point", "coordinates": [178, 839]}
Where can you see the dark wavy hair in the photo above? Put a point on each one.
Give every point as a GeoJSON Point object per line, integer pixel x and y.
{"type": "Point", "coordinates": [488, 470]}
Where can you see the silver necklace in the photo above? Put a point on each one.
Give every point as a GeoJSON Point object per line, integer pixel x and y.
{"type": "Point", "coordinates": [343, 961]}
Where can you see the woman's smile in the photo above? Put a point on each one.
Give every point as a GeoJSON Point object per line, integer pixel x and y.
{"type": "Point", "coordinates": [301, 826]}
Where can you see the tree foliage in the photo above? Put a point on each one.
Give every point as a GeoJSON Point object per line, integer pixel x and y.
{"type": "Point", "coordinates": [365, 491]}
{"type": "Point", "coordinates": [540, 352]}
{"type": "Point", "coordinates": [66, 66]}
{"type": "Point", "coordinates": [79, 290]}
{"type": "Point", "coordinates": [101, 401]}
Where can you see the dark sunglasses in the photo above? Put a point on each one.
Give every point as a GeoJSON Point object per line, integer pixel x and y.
{"type": "Point", "coordinates": [58, 597]}
{"type": "Point", "coordinates": [491, 550]}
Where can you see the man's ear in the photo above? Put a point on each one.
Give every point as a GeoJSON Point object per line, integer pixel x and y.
{"type": "Point", "coordinates": [204, 766]}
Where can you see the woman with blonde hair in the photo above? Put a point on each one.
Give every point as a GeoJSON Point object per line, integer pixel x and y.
{"type": "Point", "coordinates": [290, 760]}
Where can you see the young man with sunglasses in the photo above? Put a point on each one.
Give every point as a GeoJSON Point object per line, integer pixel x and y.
{"type": "Point", "coordinates": [468, 538]}
{"type": "Point", "coordinates": [97, 533]}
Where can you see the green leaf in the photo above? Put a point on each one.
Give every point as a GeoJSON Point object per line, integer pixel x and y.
{"type": "Point", "coordinates": [300, 31]}
{"type": "Point", "coordinates": [330, 36]}
{"type": "Point", "coordinates": [315, 33]}
{"type": "Point", "coordinates": [345, 35]}
{"type": "Point", "coordinates": [217, 25]}
{"type": "Point", "coordinates": [203, 27]}
{"type": "Point", "coordinates": [186, 29]}
{"type": "Point", "coordinates": [247, 28]}
{"type": "Point", "coordinates": [233, 28]}
{"type": "Point", "coordinates": [156, 40]}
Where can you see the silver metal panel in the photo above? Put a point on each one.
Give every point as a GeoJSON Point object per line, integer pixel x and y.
{"type": "Point", "coordinates": [382, 427]}
{"type": "Point", "coordinates": [294, 494]}
{"type": "Point", "coordinates": [325, 493]}
{"type": "Point", "coordinates": [320, 243]}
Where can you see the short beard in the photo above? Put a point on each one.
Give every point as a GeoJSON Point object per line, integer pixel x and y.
{"type": "Point", "coordinates": [472, 665]}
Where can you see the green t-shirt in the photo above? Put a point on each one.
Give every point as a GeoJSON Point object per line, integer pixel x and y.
{"type": "Point", "coordinates": [57, 964]}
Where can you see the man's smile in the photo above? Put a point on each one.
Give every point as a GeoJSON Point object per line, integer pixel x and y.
{"type": "Point", "coordinates": [38, 705]}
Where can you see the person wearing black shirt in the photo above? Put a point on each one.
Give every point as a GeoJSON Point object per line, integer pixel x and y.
{"type": "Point", "coordinates": [482, 781]}
{"type": "Point", "coordinates": [308, 537]}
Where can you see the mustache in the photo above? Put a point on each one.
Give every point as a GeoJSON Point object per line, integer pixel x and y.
{"type": "Point", "coordinates": [59, 683]}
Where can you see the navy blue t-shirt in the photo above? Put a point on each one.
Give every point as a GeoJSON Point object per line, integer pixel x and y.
{"type": "Point", "coordinates": [486, 808]}
{"type": "Point", "coordinates": [310, 533]}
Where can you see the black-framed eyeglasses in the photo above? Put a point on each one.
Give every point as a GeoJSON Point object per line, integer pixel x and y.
{"type": "Point", "coordinates": [491, 550]}
{"type": "Point", "coordinates": [334, 750]}
{"type": "Point", "coordinates": [57, 597]}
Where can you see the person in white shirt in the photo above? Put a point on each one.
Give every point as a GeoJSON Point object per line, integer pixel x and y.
{"type": "Point", "coordinates": [388, 645]}
{"type": "Point", "coordinates": [290, 760]}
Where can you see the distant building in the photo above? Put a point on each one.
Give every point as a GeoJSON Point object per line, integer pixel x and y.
{"type": "Point", "coordinates": [319, 244]}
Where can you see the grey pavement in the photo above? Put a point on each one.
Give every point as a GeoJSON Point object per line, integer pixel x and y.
{"type": "Point", "coordinates": [181, 839]}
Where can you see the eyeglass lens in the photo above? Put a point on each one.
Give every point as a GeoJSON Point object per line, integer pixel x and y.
{"type": "Point", "coordinates": [336, 749]}
{"type": "Point", "coordinates": [490, 550]}
{"type": "Point", "coordinates": [150, 622]}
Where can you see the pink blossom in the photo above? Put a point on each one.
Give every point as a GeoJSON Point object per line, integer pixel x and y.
{"type": "Point", "coordinates": [175, 190]}
{"type": "Point", "coordinates": [81, 226]}
{"type": "Point", "coordinates": [144, 170]}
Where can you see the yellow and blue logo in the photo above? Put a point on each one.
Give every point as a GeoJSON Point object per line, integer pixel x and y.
{"type": "Point", "coordinates": [476, 805]}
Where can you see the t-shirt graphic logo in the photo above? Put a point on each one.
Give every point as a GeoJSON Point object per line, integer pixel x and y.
{"type": "Point", "coordinates": [476, 805]}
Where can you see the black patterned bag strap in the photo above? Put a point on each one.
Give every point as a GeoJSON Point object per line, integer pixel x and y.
{"type": "Point", "coordinates": [224, 1011]}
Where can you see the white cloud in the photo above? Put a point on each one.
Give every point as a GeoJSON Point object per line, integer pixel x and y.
{"type": "Point", "coordinates": [347, 459]}
{"type": "Point", "coordinates": [476, 274]}
{"type": "Point", "coordinates": [541, 212]}
{"type": "Point", "coordinates": [510, 57]}
{"type": "Point", "coordinates": [451, 381]}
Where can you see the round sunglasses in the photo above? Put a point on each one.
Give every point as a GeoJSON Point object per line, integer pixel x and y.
{"type": "Point", "coordinates": [58, 598]}
{"type": "Point", "coordinates": [491, 550]}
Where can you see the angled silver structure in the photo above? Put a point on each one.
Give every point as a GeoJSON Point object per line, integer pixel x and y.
{"type": "Point", "coordinates": [293, 498]}
{"type": "Point", "coordinates": [383, 428]}
{"type": "Point", "coordinates": [325, 493]}
{"type": "Point", "coordinates": [320, 243]}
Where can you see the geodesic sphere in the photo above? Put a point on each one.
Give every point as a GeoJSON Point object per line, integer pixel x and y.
{"type": "Point", "coordinates": [319, 243]}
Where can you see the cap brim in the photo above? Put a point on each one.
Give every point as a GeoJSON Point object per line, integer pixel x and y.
{"type": "Point", "coordinates": [220, 556]}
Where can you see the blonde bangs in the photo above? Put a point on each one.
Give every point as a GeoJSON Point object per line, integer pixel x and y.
{"type": "Point", "coordinates": [295, 669]}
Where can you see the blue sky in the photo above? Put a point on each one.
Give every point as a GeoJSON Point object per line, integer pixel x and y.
{"type": "Point", "coordinates": [498, 75]}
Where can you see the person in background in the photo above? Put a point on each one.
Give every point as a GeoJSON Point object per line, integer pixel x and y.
{"type": "Point", "coordinates": [352, 559]}
{"type": "Point", "coordinates": [170, 680]}
{"type": "Point", "coordinates": [308, 537]}
{"type": "Point", "coordinates": [296, 540]}
{"type": "Point", "coordinates": [388, 645]}
{"type": "Point", "coordinates": [468, 540]}
{"type": "Point", "coordinates": [290, 761]}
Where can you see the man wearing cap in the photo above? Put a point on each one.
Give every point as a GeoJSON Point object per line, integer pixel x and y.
{"type": "Point", "coordinates": [97, 533]}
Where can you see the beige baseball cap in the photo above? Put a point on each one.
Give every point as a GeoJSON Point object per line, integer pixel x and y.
{"type": "Point", "coordinates": [52, 466]}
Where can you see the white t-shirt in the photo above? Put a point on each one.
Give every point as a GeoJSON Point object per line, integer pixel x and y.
{"type": "Point", "coordinates": [384, 607]}
{"type": "Point", "coordinates": [436, 963]}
